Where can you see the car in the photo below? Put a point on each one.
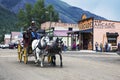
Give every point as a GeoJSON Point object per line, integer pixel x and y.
{"type": "Point", "coordinates": [11, 46]}
{"type": "Point", "coordinates": [4, 46]}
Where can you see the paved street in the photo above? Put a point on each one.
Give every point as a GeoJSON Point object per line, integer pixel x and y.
{"type": "Point", "coordinates": [76, 66]}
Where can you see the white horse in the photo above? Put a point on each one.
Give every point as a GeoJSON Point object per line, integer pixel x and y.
{"type": "Point", "coordinates": [38, 47]}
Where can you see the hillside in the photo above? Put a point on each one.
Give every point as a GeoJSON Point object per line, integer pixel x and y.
{"type": "Point", "coordinates": [7, 22]}
{"type": "Point", "coordinates": [9, 8]}
{"type": "Point", "coordinates": [67, 13]}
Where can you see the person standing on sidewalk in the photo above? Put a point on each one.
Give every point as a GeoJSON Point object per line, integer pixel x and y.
{"type": "Point", "coordinates": [101, 47]}
{"type": "Point", "coordinates": [119, 46]}
{"type": "Point", "coordinates": [96, 46]}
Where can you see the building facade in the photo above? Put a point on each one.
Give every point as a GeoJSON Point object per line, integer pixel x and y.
{"type": "Point", "coordinates": [61, 30]}
{"type": "Point", "coordinates": [7, 38]}
{"type": "Point", "coordinates": [106, 32]}
{"type": "Point", "coordinates": [93, 31]}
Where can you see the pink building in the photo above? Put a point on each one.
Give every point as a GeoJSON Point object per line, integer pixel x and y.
{"type": "Point", "coordinates": [15, 36]}
{"type": "Point", "coordinates": [59, 26]}
{"type": "Point", "coordinates": [101, 31]}
{"type": "Point", "coordinates": [106, 32]}
{"type": "Point", "coordinates": [61, 29]}
{"type": "Point", "coordinates": [7, 38]}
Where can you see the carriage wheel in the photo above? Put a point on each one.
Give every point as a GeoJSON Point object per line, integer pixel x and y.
{"type": "Point", "coordinates": [25, 56]}
{"type": "Point", "coordinates": [20, 52]}
{"type": "Point", "coordinates": [49, 59]}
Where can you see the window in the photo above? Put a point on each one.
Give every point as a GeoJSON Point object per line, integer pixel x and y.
{"type": "Point", "coordinates": [112, 38]}
{"type": "Point", "coordinates": [112, 41]}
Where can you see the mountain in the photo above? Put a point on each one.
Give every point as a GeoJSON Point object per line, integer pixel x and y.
{"type": "Point", "coordinates": [67, 13]}
{"type": "Point", "coordinates": [7, 22]}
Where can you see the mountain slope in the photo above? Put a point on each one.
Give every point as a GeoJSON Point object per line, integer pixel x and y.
{"type": "Point", "coordinates": [7, 22]}
{"type": "Point", "coordinates": [67, 13]}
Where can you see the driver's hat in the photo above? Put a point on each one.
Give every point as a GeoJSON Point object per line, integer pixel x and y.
{"type": "Point", "coordinates": [33, 21]}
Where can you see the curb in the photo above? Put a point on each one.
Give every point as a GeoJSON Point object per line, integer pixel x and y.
{"type": "Point", "coordinates": [93, 52]}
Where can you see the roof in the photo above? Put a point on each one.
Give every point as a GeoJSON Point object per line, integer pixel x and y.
{"type": "Point", "coordinates": [7, 35]}
{"type": "Point", "coordinates": [87, 31]}
{"type": "Point", "coordinates": [81, 31]}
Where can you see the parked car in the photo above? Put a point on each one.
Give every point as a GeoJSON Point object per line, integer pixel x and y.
{"type": "Point", "coordinates": [4, 46]}
{"type": "Point", "coordinates": [13, 46]}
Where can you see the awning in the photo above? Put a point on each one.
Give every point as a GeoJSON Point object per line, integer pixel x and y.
{"type": "Point", "coordinates": [112, 34]}
{"type": "Point", "coordinates": [81, 31]}
{"type": "Point", "coordinates": [87, 31]}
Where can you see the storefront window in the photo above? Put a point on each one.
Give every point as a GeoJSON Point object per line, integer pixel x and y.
{"type": "Point", "coordinates": [112, 38]}
{"type": "Point", "coordinates": [112, 41]}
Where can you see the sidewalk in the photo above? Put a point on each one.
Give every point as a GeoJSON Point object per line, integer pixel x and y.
{"type": "Point", "coordinates": [91, 51]}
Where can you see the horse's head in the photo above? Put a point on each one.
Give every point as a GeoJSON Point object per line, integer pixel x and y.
{"type": "Point", "coordinates": [25, 35]}
{"type": "Point", "coordinates": [59, 42]}
{"type": "Point", "coordinates": [46, 39]}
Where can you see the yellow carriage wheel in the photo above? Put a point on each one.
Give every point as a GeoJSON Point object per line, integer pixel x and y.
{"type": "Point", "coordinates": [20, 52]}
{"type": "Point", "coordinates": [49, 59]}
{"type": "Point", "coordinates": [25, 56]}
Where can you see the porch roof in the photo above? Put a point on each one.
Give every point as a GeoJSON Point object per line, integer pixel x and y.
{"type": "Point", "coordinates": [81, 31]}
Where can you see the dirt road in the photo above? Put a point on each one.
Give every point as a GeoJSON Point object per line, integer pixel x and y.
{"type": "Point", "coordinates": [76, 66]}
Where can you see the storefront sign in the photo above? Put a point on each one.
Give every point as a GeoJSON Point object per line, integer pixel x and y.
{"type": "Point", "coordinates": [85, 24]}
{"type": "Point", "coordinates": [104, 25]}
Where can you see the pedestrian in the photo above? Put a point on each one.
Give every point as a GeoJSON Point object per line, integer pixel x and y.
{"type": "Point", "coordinates": [96, 46]}
{"type": "Point", "coordinates": [101, 47]}
{"type": "Point", "coordinates": [119, 46]}
{"type": "Point", "coordinates": [65, 46]}
{"type": "Point", "coordinates": [106, 47]}
{"type": "Point", "coordinates": [74, 45]}
{"type": "Point", "coordinates": [78, 46]}
{"type": "Point", "coordinates": [109, 47]}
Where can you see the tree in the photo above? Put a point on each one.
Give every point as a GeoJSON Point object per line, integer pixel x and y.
{"type": "Point", "coordinates": [52, 14]}
{"type": "Point", "coordinates": [21, 18]}
{"type": "Point", "coordinates": [37, 13]}
{"type": "Point", "coordinates": [29, 14]}
{"type": "Point", "coordinates": [25, 16]}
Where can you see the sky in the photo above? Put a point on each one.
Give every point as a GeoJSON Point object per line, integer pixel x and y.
{"type": "Point", "coordinates": [108, 9]}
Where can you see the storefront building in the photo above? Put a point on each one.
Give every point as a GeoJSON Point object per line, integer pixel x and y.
{"type": "Point", "coordinates": [60, 29]}
{"type": "Point", "coordinates": [92, 31]}
{"type": "Point", "coordinates": [106, 32]}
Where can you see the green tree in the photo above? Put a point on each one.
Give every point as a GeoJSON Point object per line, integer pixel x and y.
{"type": "Point", "coordinates": [21, 18]}
{"type": "Point", "coordinates": [29, 14]}
{"type": "Point", "coordinates": [52, 14]}
{"type": "Point", "coordinates": [38, 12]}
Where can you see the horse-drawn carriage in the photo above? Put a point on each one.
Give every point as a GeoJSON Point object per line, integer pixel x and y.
{"type": "Point", "coordinates": [45, 46]}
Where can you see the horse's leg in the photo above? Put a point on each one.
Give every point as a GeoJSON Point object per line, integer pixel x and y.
{"type": "Point", "coordinates": [37, 56]}
{"type": "Point", "coordinates": [42, 59]}
{"type": "Point", "coordinates": [60, 60]}
{"type": "Point", "coordinates": [54, 60]}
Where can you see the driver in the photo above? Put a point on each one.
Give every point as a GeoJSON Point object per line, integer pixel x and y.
{"type": "Point", "coordinates": [33, 30]}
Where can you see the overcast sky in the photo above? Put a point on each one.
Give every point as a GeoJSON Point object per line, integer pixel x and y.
{"type": "Point", "coordinates": [109, 9]}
